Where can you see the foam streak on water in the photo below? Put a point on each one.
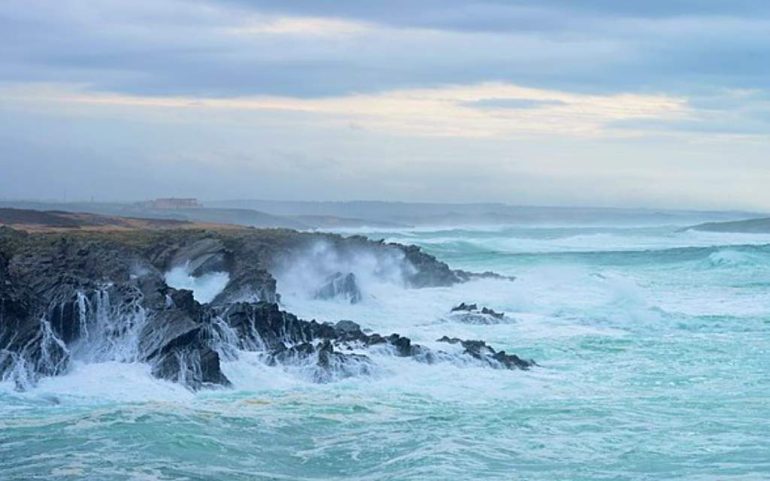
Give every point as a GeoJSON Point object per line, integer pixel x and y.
{"type": "Point", "coordinates": [653, 348]}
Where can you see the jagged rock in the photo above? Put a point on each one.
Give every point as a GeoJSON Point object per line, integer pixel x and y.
{"type": "Point", "coordinates": [481, 351]}
{"type": "Point", "coordinates": [103, 297]}
{"type": "Point", "coordinates": [248, 285]}
{"type": "Point", "coordinates": [490, 312]}
{"type": "Point", "coordinates": [190, 360]}
{"type": "Point", "coordinates": [88, 298]}
{"type": "Point", "coordinates": [471, 314]}
{"type": "Point", "coordinates": [27, 347]}
{"type": "Point", "coordinates": [203, 256]}
{"type": "Point", "coordinates": [347, 327]}
{"type": "Point", "coordinates": [263, 326]}
{"type": "Point", "coordinates": [208, 252]}
{"type": "Point", "coordinates": [428, 271]}
{"type": "Point", "coordinates": [285, 339]}
{"type": "Point", "coordinates": [465, 307]}
{"type": "Point", "coordinates": [325, 363]}
{"type": "Point", "coordinates": [339, 285]}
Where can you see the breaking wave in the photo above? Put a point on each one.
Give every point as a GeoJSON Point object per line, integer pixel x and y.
{"type": "Point", "coordinates": [205, 288]}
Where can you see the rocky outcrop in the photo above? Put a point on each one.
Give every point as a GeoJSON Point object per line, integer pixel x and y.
{"type": "Point", "coordinates": [27, 345]}
{"type": "Point", "coordinates": [481, 351]}
{"type": "Point", "coordinates": [428, 271]}
{"type": "Point", "coordinates": [103, 297]}
{"type": "Point", "coordinates": [471, 314]}
{"type": "Point", "coordinates": [76, 297]}
{"type": "Point", "coordinates": [340, 350]}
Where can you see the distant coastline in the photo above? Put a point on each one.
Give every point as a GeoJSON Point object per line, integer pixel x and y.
{"type": "Point", "coordinates": [748, 226]}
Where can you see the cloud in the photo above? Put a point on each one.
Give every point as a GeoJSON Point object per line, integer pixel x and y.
{"type": "Point", "coordinates": [514, 103]}
{"type": "Point", "coordinates": [315, 49]}
{"type": "Point", "coordinates": [460, 111]}
{"type": "Point", "coordinates": [301, 26]}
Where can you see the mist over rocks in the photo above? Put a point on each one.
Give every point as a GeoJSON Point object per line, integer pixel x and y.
{"type": "Point", "coordinates": [105, 296]}
{"type": "Point", "coordinates": [340, 285]}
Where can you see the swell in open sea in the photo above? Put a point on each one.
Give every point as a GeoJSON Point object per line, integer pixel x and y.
{"type": "Point", "coordinates": [653, 347]}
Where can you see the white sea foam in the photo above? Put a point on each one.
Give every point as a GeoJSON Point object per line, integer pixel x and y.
{"type": "Point", "coordinates": [205, 288]}
{"type": "Point", "coordinates": [108, 381]}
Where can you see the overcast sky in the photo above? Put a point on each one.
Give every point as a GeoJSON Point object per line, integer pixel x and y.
{"type": "Point", "coordinates": [659, 103]}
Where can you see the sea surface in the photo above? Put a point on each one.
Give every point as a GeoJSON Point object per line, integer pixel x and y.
{"type": "Point", "coordinates": [653, 347]}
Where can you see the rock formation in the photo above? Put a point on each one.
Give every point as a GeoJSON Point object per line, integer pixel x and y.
{"type": "Point", "coordinates": [102, 297]}
{"type": "Point", "coordinates": [471, 314]}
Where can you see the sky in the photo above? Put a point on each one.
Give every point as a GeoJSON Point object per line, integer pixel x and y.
{"type": "Point", "coordinates": [656, 103]}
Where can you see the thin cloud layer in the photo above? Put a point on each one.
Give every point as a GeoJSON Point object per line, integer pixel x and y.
{"type": "Point", "coordinates": [173, 47]}
{"type": "Point", "coordinates": [482, 110]}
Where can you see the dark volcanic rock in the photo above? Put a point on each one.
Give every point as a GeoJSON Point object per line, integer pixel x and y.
{"type": "Point", "coordinates": [263, 326]}
{"type": "Point", "coordinates": [481, 351]}
{"type": "Point", "coordinates": [429, 271]}
{"type": "Point", "coordinates": [190, 360]}
{"type": "Point", "coordinates": [27, 346]}
{"type": "Point", "coordinates": [83, 297]}
{"type": "Point", "coordinates": [203, 256]}
{"type": "Point", "coordinates": [471, 314]}
{"type": "Point", "coordinates": [98, 297]}
{"type": "Point", "coordinates": [346, 327]}
{"type": "Point", "coordinates": [324, 362]}
{"type": "Point", "coordinates": [465, 307]}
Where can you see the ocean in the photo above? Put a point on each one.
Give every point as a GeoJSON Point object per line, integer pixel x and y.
{"type": "Point", "coordinates": [653, 352]}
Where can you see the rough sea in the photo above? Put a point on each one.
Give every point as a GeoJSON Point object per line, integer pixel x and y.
{"type": "Point", "coordinates": [653, 347]}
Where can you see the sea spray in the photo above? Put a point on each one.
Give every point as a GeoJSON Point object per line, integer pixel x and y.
{"type": "Point", "coordinates": [205, 287]}
{"type": "Point", "coordinates": [307, 271]}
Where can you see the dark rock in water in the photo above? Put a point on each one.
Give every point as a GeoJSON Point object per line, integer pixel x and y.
{"type": "Point", "coordinates": [339, 285]}
{"type": "Point", "coordinates": [263, 326]}
{"type": "Point", "coordinates": [287, 340]}
{"type": "Point", "coordinates": [326, 349]}
{"type": "Point", "coordinates": [483, 352]}
{"type": "Point", "coordinates": [87, 298]}
{"type": "Point", "coordinates": [103, 297]}
{"type": "Point", "coordinates": [324, 362]}
{"type": "Point", "coordinates": [470, 314]}
{"type": "Point", "coordinates": [490, 312]}
{"type": "Point", "coordinates": [202, 257]}
{"type": "Point", "coordinates": [465, 307]}
{"type": "Point", "coordinates": [190, 360]}
{"type": "Point", "coordinates": [248, 285]}
{"type": "Point", "coordinates": [347, 327]}
{"type": "Point", "coordinates": [428, 271]}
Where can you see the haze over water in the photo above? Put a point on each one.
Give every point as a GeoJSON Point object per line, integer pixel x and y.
{"type": "Point", "coordinates": [652, 347]}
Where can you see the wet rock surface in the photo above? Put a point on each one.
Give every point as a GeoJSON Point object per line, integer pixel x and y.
{"type": "Point", "coordinates": [483, 352]}
{"type": "Point", "coordinates": [103, 297]}
{"type": "Point", "coordinates": [471, 314]}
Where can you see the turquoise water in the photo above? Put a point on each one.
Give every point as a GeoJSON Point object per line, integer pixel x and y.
{"type": "Point", "coordinates": [654, 353]}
